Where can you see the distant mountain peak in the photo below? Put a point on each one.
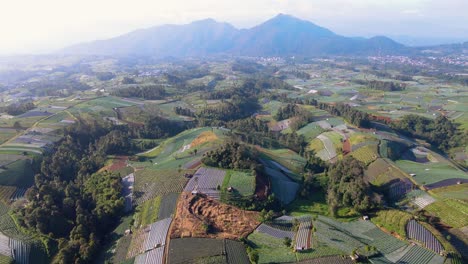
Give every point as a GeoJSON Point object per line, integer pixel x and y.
{"type": "Point", "coordinates": [282, 35]}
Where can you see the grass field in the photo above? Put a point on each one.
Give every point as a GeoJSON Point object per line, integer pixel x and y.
{"type": "Point", "coordinates": [242, 182]}
{"type": "Point", "coordinates": [452, 212]}
{"type": "Point", "coordinates": [428, 173]}
{"type": "Point", "coordinates": [392, 220]}
{"type": "Point", "coordinates": [18, 173]}
{"type": "Point", "coordinates": [315, 205]}
{"type": "Point", "coordinates": [271, 249]}
{"type": "Point", "coordinates": [147, 212]}
{"type": "Point", "coordinates": [458, 191]}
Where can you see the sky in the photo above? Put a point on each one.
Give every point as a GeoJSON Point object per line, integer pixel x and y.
{"type": "Point", "coordinates": [37, 26]}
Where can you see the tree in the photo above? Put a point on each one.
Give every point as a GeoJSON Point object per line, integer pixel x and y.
{"type": "Point", "coordinates": [347, 187]}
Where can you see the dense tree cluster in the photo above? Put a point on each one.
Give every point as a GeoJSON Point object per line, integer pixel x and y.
{"type": "Point", "coordinates": [19, 108]}
{"type": "Point", "coordinates": [237, 108]}
{"type": "Point", "coordinates": [440, 132]}
{"type": "Point", "coordinates": [149, 92]}
{"type": "Point", "coordinates": [354, 116]}
{"type": "Point", "coordinates": [155, 127]}
{"type": "Point", "coordinates": [105, 76]}
{"type": "Point", "coordinates": [347, 187]}
{"type": "Point", "coordinates": [300, 116]}
{"type": "Point", "coordinates": [383, 85]}
{"type": "Point", "coordinates": [184, 111]}
{"type": "Point", "coordinates": [71, 204]}
{"type": "Point", "coordinates": [232, 155]}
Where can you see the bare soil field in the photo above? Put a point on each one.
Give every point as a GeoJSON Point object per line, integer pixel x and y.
{"type": "Point", "coordinates": [200, 216]}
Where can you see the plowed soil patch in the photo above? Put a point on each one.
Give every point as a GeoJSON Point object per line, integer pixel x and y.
{"type": "Point", "coordinates": [200, 216]}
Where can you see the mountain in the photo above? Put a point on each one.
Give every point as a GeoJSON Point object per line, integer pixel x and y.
{"type": "Point", "coordinates": [282, 35]}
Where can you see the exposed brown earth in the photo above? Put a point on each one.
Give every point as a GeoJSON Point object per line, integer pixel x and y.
{"type": "Point", "coordinates": [200, 216]}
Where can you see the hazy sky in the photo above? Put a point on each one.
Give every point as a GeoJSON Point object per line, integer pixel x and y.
{"type": "Point", "coordinates": [45, 25]}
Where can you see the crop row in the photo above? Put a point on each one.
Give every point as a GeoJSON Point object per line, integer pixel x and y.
{"type": "Point", "coordinates": [20, 251]}
{"type": "Point", "coordinates": [154, 256]}
{"type": "Point", "coordinates": [158, 233]}
{"type": "Point", "coordinates": [417, 255]}
{"type": "Point", "coordinates": [418, 232]}
{"type": "Point", "coordinates": [266, 229]}
{"type": "Point", "coordinates": [303, 234]}
{"type": "Point", "coordinates": [383, 242]}
{"type": "Point", "coordinates": [205, 179]}
{"type": "Point", "coordinates": [151, 183]}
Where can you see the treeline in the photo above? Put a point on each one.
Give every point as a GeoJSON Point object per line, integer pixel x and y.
{"type": "Point", "coordinates": [440, 132]}
{"type": "Point", "coordinates": [70, 203]}
{"type": "Point", "coordinates": [354, 116]}
{"type": "Point", "coordinates": [253, 87]}
{"type": "Point", "coordinates": [148, 92]}
{"type": "Point", "coordinates": [237, 108]}
{"type": "Point", "coordinates": [19, 108]}
{"type": "Point", "coordinates": [232, 155]}
{"type": "Point", "coordinates": [155, 127]}
{"type": "Point", "coordinates": [382, 85]}
{"type": "Point", "coordinates": [256, 132]}
{"type": "Point", "coordinates": [61, 87]}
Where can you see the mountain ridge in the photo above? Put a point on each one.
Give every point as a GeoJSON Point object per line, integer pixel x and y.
{"type": "Point", "coordinates": [282, 35]}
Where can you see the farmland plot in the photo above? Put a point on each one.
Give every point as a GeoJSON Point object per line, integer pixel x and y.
{"type": "Point", "coordinates": [155, 256]}
{"type": "Point", "coordinates": [423, 200]}
{"type": "Point", "coordinates": [185, 250]}
{"type": "Point", "coordinates": [451, 212]}
{"type": "Point", "coordinates": [420, 233]}
{"type": "Point", "coordinates": [20, 251]}
{"type": "Point", "coordinates": [420, 255]}
{"type": "Point", "coordinates": [236, 253]}
{"type": "Point", "coordinates": [274, 232]}
{"type": "Point", "coordinates": [5, 245]}
{"type": "Point", "coordinates": [168, 205]}
{"type": "Point", "coordinates": [283, 187]}
{"type": "Point", "coordinates": [302, 239]}
{"type": "Point", "coordinates": [398, 189]}
{"type": "Point", "coordinates": [158, 233]}
{"type": "Point", "coordinates": [329, 147]}
{"type": "Point", "coordinates": [327, 260]}
{"type": "Point", "coordinates": [207, 181]}
{"type": "Point", "coordinates": [150, 183]}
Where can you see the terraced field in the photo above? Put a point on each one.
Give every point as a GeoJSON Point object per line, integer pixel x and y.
{"type": "Point", "coordinates": [150, 183]}
{"type": "Point", "coordinates": [366, 154]}
{"type": "Point", "coordinates": [392, 220]}
{"type": "Point", "coordinates": [452, 212]}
